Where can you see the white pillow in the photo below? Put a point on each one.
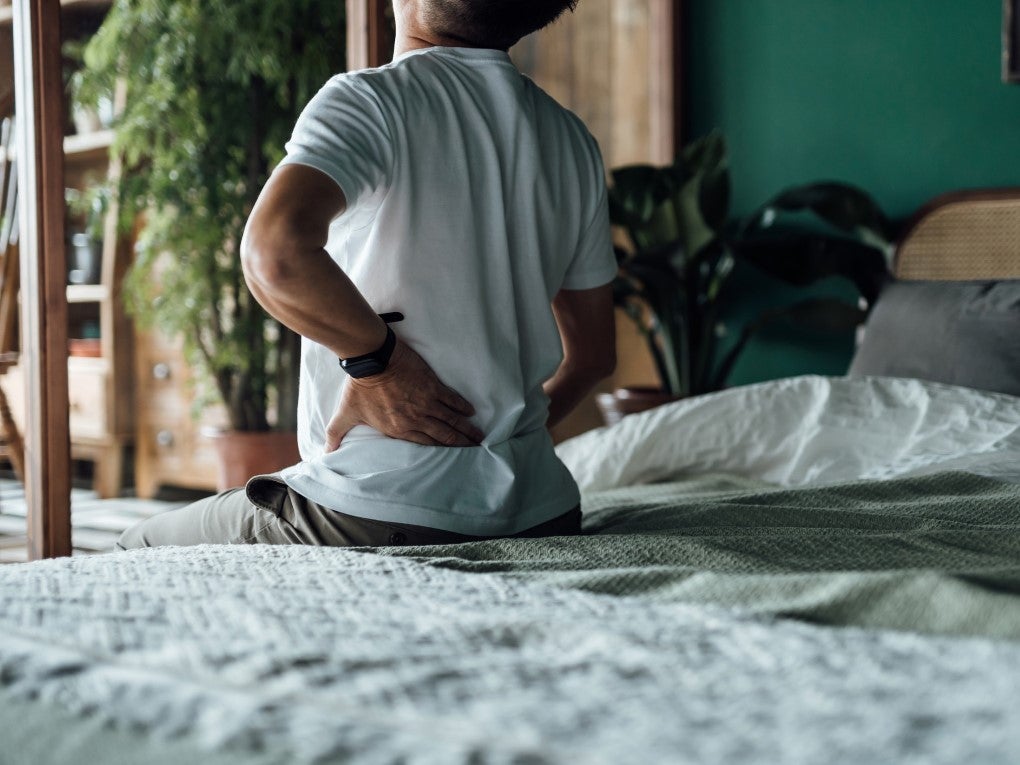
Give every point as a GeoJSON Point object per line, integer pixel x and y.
{"type": "Point", "coordinates": [806, 430]}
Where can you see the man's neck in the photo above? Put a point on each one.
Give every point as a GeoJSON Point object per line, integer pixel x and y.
{"type": "Point", "coordinates": [411, 35]}
{"type": "Point", "coordinates": [407, 43]}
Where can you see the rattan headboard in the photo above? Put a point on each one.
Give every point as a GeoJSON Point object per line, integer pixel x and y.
{"type": "Point", "coordinates": [963, 236]}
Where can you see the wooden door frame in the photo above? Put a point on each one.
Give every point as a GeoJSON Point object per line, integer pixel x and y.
{"type": "Point", "coordinates": [667, 89]}
{"type": "Point", "coordinates": [370, 44]}
{"type": "Point", "coordinates": [369, 41]}
{"type": "Point", "coordinates": [39, 105]}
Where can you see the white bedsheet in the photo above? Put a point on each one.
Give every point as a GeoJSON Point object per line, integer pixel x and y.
{"type": "Point", "coordinates": [807, 430]}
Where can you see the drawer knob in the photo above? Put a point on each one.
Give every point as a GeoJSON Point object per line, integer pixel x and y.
{"type": "Point", "coordinates": [161, 371]}
{"type": "Point", "coordinates": [165, 438]}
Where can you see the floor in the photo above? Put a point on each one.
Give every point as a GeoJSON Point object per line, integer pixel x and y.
{"type": "Point", "coordinates": [95, 523]}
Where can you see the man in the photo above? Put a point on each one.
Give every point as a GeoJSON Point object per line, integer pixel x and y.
{"type": "Point", "coordinates": [450, 194]}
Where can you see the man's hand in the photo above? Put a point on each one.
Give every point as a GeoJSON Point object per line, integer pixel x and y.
{"type": "Point", "coordinates": [408, 402]}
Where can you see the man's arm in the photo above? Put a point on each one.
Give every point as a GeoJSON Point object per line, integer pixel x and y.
{"type": "Point", "coordinates": [290, 273]}
{"type": "Point", "coordinates": [587, 327]}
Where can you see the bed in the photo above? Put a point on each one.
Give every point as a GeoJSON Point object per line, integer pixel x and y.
{"type": "Point", "coordinates": [812, 569]}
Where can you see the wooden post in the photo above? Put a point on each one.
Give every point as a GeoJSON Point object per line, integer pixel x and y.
{"type": "Point", "coordinates": [667, 55]}
{"type": "Point", "coordinates": [369, 34]}
{"type": "Point", "coordinates": [40, 157]}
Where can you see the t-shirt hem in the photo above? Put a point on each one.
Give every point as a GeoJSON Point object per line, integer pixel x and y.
{"type": "Point", "coordinates": [443, 520]}
{"type": "Point", "coordinates": [589, 281]}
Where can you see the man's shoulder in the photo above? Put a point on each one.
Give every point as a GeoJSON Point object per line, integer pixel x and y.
{"type": "Point", "coordinates": [558, 111]}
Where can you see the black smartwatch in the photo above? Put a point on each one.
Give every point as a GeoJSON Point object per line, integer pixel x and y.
{"type": "Point", "coordinates": [373, 363]}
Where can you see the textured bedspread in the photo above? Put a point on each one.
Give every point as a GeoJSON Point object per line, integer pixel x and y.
{"type": "Point", "coordinates": [937, 553]}
{"type": "Point", "coordinates": [404, 656]}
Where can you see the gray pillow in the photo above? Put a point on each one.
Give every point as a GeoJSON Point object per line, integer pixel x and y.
{"type": "Point", "coordinates": [960, 333]}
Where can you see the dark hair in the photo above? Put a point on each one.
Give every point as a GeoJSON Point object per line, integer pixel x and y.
{"type": "Point", "coordinates": [492, 23]}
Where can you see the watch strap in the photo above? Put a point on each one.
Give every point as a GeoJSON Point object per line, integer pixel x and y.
{"type": "Point", "coordinates": [373, 363]}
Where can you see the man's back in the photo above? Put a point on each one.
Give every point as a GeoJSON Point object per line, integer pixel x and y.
{"type": "Point", "coordinates": [446, 187]}
{"type": "Point", "coordinates": [473, 198]}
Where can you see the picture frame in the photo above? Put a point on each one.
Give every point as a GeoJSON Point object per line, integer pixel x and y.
{"type": "Point", "coordinates": [1011, 41]}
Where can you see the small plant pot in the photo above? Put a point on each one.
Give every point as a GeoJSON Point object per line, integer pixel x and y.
{"type": "Point", "coordinates": [623, 401]}
{"type": "Point", "coordinates": [86, 258]}
{"type": "Point", "coordinates": [245, 454]}
{"type": "Point", "coordinates": [86, 120]}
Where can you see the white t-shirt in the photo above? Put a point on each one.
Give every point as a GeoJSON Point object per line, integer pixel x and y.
{"type": "Point", "coordinates": [473, 198]}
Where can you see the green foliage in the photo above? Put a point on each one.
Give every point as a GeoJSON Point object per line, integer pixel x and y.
{"type": "Point", "coordinates": [213, 88]}
{"type": "Point", "coordinates": [90, 206]}
{"type": "Point", "coordinates": [668, 282]}
{"type": "Point", "coordinates": [672, 280]}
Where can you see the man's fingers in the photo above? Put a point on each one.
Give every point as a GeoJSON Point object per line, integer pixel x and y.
{"type": "Point", "coordinates": [417, 437]}
{"type": "Point", "coordinates": [462, 425]}
{"type": "Point", "coordinates": [338, 427]}
{"type": "Point", "coordinates": [456, 402]}
{"type": "Point", "coordinates": [446, 435]}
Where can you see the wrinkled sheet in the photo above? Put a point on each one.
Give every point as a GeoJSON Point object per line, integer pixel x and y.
{"type": "Point", "coordinates": [935, 553]}
{"type": "Point", "coordinates": [807, 430]}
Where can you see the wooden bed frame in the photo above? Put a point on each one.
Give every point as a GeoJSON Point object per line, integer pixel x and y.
{"type": "Point", "coordinates": [963, 236]}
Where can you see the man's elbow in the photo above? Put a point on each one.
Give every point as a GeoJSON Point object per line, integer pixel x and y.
{"type": "Point", "coordinates": [607, 365]}
{"type": "Point", "coordinates": [595, 368]}
{"type": "Point", "coordinates": [266, 255]}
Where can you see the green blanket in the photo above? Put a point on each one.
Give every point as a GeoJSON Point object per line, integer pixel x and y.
{"type": "Point", "coordinates": [936, 554]}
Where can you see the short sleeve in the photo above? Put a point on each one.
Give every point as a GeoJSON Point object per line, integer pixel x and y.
{"type": "Point", "coordinates": [594, 262]}
{"type": "Point", "coordinates": [342, 133]}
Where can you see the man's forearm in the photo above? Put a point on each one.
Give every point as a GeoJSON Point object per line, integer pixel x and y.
{"type": "Point", "coordinates": [309, 293]}
{"type": "Point", "coordinates": [587, 328]}
{"type": "Point", "coordinates": [568, 388]}
{"type": "Point", "coordinates": [290, 273]}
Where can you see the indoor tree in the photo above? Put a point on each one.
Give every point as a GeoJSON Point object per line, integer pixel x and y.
{"type": "Point", "coordinates": [211, 90]}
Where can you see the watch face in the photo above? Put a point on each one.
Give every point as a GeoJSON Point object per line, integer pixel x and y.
{"type": "Point", "coordinates": [363, 367]}
{"type": "Point", "coordinates": [371, 363]}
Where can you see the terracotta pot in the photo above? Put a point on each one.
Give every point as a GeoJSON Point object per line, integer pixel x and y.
{"type": "Point", "coordinates": [623, 401]}
{"type": "Point", "coordinates": [244, 454]}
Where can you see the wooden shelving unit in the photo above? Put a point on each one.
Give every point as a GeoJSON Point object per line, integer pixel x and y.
{"type": "Point", "coordinates": [7, 13]}
{"type": "Point", "coordinates": [101, 389]}
{"type": "Point", "coordinates": [90, 147]}
{"type": "Point", "coordinates": [83, 149]}
{"type": "Point", "coordinates": [87, 293]}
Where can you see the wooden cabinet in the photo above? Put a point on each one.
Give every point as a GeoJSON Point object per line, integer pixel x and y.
{"type": "Point", "coordinates": [170, 448]}
{"type": "Point", "coordinates": [100, 384]}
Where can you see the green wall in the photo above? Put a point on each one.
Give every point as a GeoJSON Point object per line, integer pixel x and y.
{"type": "Point", "coordinates": [901, 97]}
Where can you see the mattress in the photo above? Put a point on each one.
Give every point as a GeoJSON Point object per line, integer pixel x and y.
{"type": "Point", "coordinates": [732, 600]}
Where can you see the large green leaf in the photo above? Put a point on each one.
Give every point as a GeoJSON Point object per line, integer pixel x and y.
{"type": "Point", "coordinates": [804, 259]}
{"type": "Point", "coordinates": [846, 207]}
{"type": "Point", "coordinates": [707, 160]}
{"type": "Point", "coordinates": [687, 201]}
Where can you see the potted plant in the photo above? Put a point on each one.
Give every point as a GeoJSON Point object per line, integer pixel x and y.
{"type": "Point", "coordinates": [88, 209]}
{"type": "Point", "coordinates": [211, 93]}
{"type": "Point", "coordinates": [672, 280]}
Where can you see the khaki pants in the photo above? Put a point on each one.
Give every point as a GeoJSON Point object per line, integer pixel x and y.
{"type": "Point", "coordinates": [267, 511]}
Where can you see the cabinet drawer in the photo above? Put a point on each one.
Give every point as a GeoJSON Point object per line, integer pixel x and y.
{"type": "Point", "coordinates": [175, 453]}
{"type": "Point", "coordinates": [86, 390]}
{"type": "Point", "coordinates": [87, 403]}
{"type": "Point", "coordinates": [170, 449]}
